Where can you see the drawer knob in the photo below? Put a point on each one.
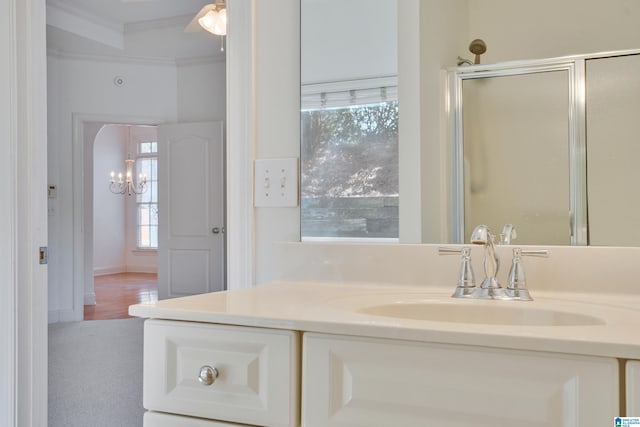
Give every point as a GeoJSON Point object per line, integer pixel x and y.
{"type": "Point", "coordinates": [207, 375]}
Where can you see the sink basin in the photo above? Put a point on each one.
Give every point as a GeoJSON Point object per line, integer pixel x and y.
{"type": "Point", "coordinates": [502, 313]}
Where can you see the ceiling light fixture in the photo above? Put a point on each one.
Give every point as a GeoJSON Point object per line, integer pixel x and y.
{"type": "Point", "coordinates": [213, 18]}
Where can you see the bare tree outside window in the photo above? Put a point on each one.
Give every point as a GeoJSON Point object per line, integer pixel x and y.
{"type": "Point", "coordinates": [350, 171]}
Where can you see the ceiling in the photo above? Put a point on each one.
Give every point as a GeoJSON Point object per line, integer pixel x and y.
{"type": "Point", "coordinates": [133, 11]}
{"type": "Point", "coordinates": [128, 28]}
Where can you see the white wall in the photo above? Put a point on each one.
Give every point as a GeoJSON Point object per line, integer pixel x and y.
{"type": "Point", "coordinates": [430, 36]}
{"type": "Point", "coordinates": [360, 35]}
{"type": "Point", "coordinates": [109, 225]}
{"type": "Point", "coordinates": [202, 90]}
{"type": "Point", "coordinates": [548, 28]}
{"type": "Point", "coordinates": [277, 124]}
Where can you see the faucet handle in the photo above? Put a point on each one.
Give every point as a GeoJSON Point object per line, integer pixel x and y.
{"type": "Point", "coordinates": [508, 234]}
{"type": "Point", "coordinates": [517, 282]}
{"type": "Point", "coordinates": [466, 280]}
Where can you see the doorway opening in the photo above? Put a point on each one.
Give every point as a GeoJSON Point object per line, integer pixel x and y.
{"type": "Point", "coordinates": [125, 225]}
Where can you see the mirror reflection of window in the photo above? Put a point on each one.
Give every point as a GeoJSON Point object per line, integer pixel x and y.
{"type": "Point", "coordinates": [349, 120]}
{"type": "Point", "coordinates": [349, 158]}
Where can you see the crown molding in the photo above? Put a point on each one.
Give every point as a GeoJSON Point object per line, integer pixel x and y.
{"type": "Point", "coordinates": [202, 60]}
{"type": "Point", "coordinates": [55, 53]}
{"type": "Point", "coordinates": [157, 24]}
{"type": "Point", "coordinates": [171, 62]}
{"type": "Point", "coordinates": [66, 7]}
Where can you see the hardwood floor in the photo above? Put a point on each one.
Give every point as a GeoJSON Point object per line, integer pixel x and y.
{"type": "Point", "coordinates": [116, 292]}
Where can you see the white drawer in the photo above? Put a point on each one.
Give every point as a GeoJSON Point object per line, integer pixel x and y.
{"type": "Point", "coordinates": [258, 372]}
{"type": "Point", "coordinates": [349, 381]}
{"type": "Point", "coordinates": [158, 419]}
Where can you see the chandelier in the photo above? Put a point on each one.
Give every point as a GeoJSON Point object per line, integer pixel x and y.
{"type": "Point", "coordinates": [124, 184]}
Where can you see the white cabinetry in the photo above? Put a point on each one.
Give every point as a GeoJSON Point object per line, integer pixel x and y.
{"type": "Point", "coordinates": [350, 381]}
{"type": "Point", "coordinates": [257, 380]}
{"type": "Point", "coordinates": [633, 388]}
{"type": "Point", "coordinates": [158, 419]}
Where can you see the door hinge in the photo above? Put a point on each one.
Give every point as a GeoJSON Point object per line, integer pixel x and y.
{"type": "Point", "coordinates": [44, 255]}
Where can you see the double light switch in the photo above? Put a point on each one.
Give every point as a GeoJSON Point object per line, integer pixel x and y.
{"type": "Point", "coordinates": [276, 182]}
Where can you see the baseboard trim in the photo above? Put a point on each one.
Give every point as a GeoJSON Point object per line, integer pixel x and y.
{"type": "Point", "coordinates": [90, 298]}
{"type": "Point", "coordinates": [103, 271]}
{"type": "Point", "coordinates": [66, 315]}
{"type": "Point", "coordinates": [141, 269]}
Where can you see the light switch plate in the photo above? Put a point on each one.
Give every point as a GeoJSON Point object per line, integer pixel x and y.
{"type": "Point", "coordinates": [276, 182]}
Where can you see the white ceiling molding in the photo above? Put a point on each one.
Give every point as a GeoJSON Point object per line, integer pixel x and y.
{"type": "Point", "coordinates": [157, 24]}
{"type": "Point", "coordinates": [68, 18]}
{"type": "Point", "coordinates": [201, 60]}
{"type": "Point", "coordinates": [111, 58]}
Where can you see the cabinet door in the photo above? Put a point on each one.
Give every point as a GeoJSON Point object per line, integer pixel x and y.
{"type": "Point", "coordinates": [372, 382]}
{"type": "Point", "coordinates": [257, 379]}
{"type": "Point", "coordinates": [157, 419]}
{"type": "Point", "coordinates": [633, 388]}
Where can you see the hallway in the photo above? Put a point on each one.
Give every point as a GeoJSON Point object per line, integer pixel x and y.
{"type": "Point", "coordinates": [116, 292]}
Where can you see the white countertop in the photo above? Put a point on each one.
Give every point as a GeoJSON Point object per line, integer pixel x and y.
{"type": "Point", "coordinates": [332, 308]}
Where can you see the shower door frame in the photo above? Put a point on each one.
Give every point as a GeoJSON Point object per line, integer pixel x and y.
{"type": "Point", "coordinates": [575, 66]}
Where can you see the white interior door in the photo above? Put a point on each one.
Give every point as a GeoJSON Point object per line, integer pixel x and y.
{"type": "Point", "coordinates": [190, 209]}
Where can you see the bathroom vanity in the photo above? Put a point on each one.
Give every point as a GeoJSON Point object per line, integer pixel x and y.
{"type": "Point", "coordinates": [349, 353]}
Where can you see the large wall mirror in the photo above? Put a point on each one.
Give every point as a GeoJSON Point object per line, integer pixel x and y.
{"type": "Point", "coordinates": [354, 53]}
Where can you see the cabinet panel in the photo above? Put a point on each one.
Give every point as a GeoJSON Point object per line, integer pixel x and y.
{"type": "Point", "coordinates": [258, 372]}
{"type": "Point", "coordinates": [633, 388]}
{"type": "Point", "coordinates": [157, 419]}
{"type": "Point", "coordinates": [350, 381]}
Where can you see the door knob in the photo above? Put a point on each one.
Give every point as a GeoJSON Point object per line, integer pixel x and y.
{"type": "Point", "coordinates": [215, 230]}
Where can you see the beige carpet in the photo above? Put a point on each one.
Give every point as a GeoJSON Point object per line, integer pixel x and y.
{"type": "Point", "coordinates": [95, 373]}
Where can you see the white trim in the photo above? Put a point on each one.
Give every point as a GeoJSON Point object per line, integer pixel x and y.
{"type": "Point", "coordinates": [201, 60]}
{"type": "Point", "coordinates": [68, 8]}
{"type": "Point", "coordinates": [28, 109]}
{"type": "Point", "coordinates": [64, 315]}
{"type": "Point", "coordinates": [90, 298]}
{"type": "Point", "coordinates": [240, 144]}
{"type": "Point", "coordinates": [80, 210]}
{"type": "Point", "coordinates": [8, 214]}
{"type": "Point", "coordinates": [141, 269]}
{"type": "Point", "coordinates": [180, 21]}
{"type": "Point", "coordinates": [105, 271]}
{"type": "Point", "coordinates": [117, 59]}
{"type": "Point", "coordinates": [349, 239]}
{"type": "Point", "coordinates": [346, 85]}
{"type": "Point", "coordinates": [66, 17]}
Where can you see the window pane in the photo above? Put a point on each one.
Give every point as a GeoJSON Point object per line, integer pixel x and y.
{"type": "Point", "coordinates": [149, 167]}
{"type": "Point", "coordinates": [148, 147]}
{"type": "Point", "coordinates": [153, 236]}
{"type": "Point", "coordinates": [148, 225]}
{"type": "Point", "coordinates": [350, 171]}
{"type": "Point", "coordinates": [147, 201]}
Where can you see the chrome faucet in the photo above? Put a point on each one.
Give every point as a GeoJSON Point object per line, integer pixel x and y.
{"type": "Point", "coordinates": [508, 233]}
{"type": "Point", "coordinates": [489, 288]}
